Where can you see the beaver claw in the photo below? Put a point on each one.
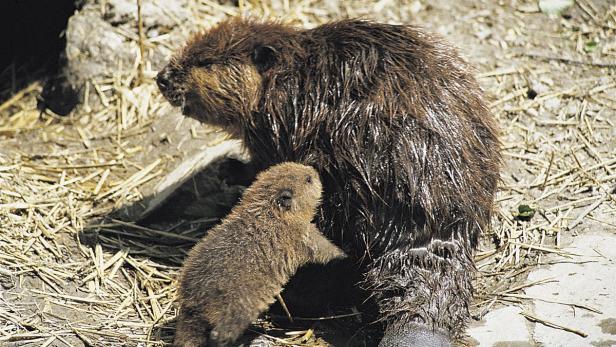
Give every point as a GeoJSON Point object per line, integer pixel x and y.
{"type": "Point", "coordinates": [416, 335]}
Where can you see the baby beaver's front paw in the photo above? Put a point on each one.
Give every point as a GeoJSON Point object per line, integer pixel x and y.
{"type": "Point", "coordinates": [213, 341]}
{"type": "Point", "coordinates": [221, 339]}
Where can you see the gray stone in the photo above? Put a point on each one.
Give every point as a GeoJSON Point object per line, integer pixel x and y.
{"type": "Point", "coordinates": [94, 48]}
{"type": "Point", "coordinates": [502, 327]}
{"type": "Point", "coordinates": [591, 284]}
{"type": "Point", "coordinates": [588, 279]}
{"type": "Point", "coordinates": [163, 13]}
{"type": "Point", "coordinates": [102, 40]}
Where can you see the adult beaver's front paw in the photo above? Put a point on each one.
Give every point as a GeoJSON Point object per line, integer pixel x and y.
{"type": "Point", "coordinates": [414, 335]}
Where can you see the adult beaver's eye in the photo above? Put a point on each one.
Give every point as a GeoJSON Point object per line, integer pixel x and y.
{"type": "Point", "coordinates": [205, 63]}
{"type": "Point", "coordinates": [263, 57]}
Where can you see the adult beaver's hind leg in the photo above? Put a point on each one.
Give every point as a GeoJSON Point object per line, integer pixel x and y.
{"type": "Point", "coordinates": [423, 293]}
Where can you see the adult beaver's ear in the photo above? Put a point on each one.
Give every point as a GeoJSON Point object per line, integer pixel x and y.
{"type": "Point", "coordinates": [264, 57]}
{"type": "Point", "coordinates": [285, 199]}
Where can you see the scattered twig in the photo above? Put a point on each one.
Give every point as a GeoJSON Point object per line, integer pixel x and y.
{"type": "Point", "coordinates": [585, 307]}
{"type": "Point", "coordinates": [15, 98]}
{"type": "Point", "coordinates": [547, 323]}
{"type": "Point", "coordinates": [141, 43]}
{"type": "Point", "coordinates": [284, 307]}
{"type": "Point", "coordinates": [569, 60]}
{"type": "Point", "coordinates": [588, 210]}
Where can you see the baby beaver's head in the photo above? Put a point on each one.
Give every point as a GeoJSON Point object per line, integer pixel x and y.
{"type": "Point", "coordinates": [217, 76]}
{"type": "Point", "coordinates": [291, 191]}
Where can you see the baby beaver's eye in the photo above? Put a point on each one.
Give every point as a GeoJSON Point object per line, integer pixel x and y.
{"type": "Point", "coordinates": [308, 179]}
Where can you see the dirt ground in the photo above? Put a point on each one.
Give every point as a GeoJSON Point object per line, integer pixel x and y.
{"type": "Point", "coordinates": [73, 274]}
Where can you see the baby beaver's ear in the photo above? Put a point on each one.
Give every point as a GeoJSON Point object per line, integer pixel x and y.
{"type": "Point", "coordinates": [264, 57]}
{"type": "Point", "coordinates": [285, 199]}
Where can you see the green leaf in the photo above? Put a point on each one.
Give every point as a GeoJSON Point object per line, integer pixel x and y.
{"type": "Point", "coordinates": [525, 212]}
{"type": "Point", "coordinates": [590, 46]}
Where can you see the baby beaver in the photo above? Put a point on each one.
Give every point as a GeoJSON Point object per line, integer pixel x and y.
{"type": "Point", "coordinates": [235, 272]}
{"type": "Point", "coordinates": [393, 120]}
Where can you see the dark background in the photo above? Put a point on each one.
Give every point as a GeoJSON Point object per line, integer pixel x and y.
{"type": "Point", "coordinates": [32, 38]}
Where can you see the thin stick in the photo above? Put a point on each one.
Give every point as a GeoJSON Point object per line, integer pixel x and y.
{"type": "Point", "coordinates": [538, 55]}
{"type": "Point", "coordinates": [141, 40]}
{"type": "Point", "coordinates": [536, 319]}
{"type": "Point", "coordinates": [526, 285]}
{"type": "Point", "coordinates": [338, 316]}
{"type": "Point", "coordinates": [520, 296]}
{"type": "Point", "coordinates": [547, 172]}
{"type": "Point", "coordinates": [584, 213]}
{"type": "Point", "coordinates": [284, 307]}
{"type": "Point", "coordinates": [18, 96]}
{"type": "Point", "coordinates": [544, 249]}
{"type": "Point", "coordinates": [154, 231]}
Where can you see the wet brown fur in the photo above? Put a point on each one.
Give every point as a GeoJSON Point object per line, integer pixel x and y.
{"type": "Point", "coordinates": [394, 122]}
{"type": "Point", "coordinates": [234, 273]}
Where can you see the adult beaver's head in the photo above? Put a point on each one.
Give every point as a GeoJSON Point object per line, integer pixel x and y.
{"type": "Point", "coordinates": [217, 77]}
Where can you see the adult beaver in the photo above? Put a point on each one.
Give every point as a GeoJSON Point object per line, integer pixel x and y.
{"type": "Point", "coordinates": [235, 272]}
{"type": "Point", "coordinates": [394, 122]}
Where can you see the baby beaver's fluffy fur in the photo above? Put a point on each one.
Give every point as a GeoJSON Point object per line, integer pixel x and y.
{"type": "Point", "coordinates": [393, 120]}
{"type": "Point", "coordinates": [235, 272]}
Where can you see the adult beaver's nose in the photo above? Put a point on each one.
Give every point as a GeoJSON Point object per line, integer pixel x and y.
{"type": "Point", "coordinates": [169, 86]}
{"type": "Point", "coordinates": [163, 80]}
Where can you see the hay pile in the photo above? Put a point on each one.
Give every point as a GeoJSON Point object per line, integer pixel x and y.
{"type": "Point", "coordinates": [70, 276]}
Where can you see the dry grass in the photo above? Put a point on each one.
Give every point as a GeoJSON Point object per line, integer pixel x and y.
{"type": "Point", "coordinates": [71, 279]}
